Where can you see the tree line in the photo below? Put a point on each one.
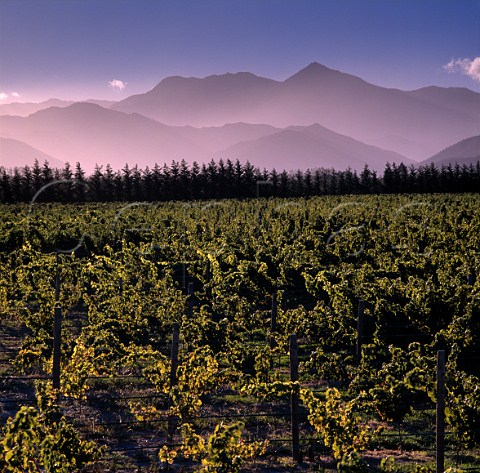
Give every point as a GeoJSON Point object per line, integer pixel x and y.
{"type": "Point", "coordinates": [221, 180]}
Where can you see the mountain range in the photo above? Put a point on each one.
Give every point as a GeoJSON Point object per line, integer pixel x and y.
{"type": "Point", "coordinates": [319, 117]}
{"type": "Point", "coordinates": [27, 108]}
{"type": "Point", "coordinates": [466, 152]}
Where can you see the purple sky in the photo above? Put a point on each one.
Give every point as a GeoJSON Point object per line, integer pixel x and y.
{"type": "Point", "coordinates": [77, 49]}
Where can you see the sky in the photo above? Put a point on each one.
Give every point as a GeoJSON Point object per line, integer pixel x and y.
{"type": "Point", "coordinates": [110, 49]}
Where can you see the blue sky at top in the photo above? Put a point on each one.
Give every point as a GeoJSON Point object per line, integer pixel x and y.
{"type": "Point", "coordinates": [74, 48]}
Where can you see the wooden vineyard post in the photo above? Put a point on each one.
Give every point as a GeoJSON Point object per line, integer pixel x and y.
{"type": "Point", "coordinates": [471, 280]}
{"type": "Point", "coordinates": [184, 276]}
{"type": "Point", "coordinates": [440, 425]}
{"type": "Point", "coordinates": [120, 286]}
{"type": "Point", "coordinates": [172, 421]}
{"type": "Point", "coordinates": [190, 292]}
{"type": "Point", "coordinates": [294, 400]}
{"type": "Point", "coordinates": [360, 317]}
{"type": "Point", "coordinates": [57, 281]}
{"type": "Point", "coordinates": [57, 346]}
{"type": "Point", "coordinates": [273, 328]}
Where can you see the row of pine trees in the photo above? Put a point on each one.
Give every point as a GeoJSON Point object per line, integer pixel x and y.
{"type": "Point", "coordinates": [225, 179]}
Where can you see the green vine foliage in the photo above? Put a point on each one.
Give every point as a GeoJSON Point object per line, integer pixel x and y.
{"type": "Point", "coordinates": [463, 408]}
{"type": "Point", "coordinates": [224, 451]}
{"type": "Point", "coordinates": [41, 440]}
{"type": "Point", "coordinates": [410, 266]}
{"type": "Point", "coordinates": [396, 384]}
{"type": "Point", "coordinates": [197, 375]}
{"type": "Point", "coordinates": [338, 423]}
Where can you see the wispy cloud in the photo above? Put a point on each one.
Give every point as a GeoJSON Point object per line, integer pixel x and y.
{"type": "Point", "coordinates": [117, 84]}
{"type": "Point", "coordinates": [5, 96]}
{"type": "Point", "coordinates": [466, 66]}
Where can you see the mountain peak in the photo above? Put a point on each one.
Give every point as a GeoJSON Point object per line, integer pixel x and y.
{"type": "Point", "coordinates": [312, 72]}
{"type": "Point", "coordinates": [73, 109]}
{"type": "Point", "coordinates": [316, 67]}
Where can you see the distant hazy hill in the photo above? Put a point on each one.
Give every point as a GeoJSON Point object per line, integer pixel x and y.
{"type": "Point", "coordinates": [25, 109]}
{"type": "Point", "coordinates": [432, 117]}
{"type": "Point", "coordinates": [91, 134]}
{"type": "Point", "coordinates": [16, 153]}
{"type": "Point", "coordinates": [212, 101]}
{"type": "Point", "coordinates": [212, 139]}
{"type": "Point", "coordinates": [464, 152]}
{"type": "Point", "coordinates": [312, 147]}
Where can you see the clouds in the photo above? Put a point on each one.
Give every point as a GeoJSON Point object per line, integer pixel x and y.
{"type": "Point", "coordinates": [5, 96]}
{"type": "Point", "coordinates": [117, 84]}
{"type": "Point", "coordinates": [466, 66]}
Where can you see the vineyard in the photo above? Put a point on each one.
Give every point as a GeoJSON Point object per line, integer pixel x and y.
{"type": "Point", "coordinates": [241, 335]}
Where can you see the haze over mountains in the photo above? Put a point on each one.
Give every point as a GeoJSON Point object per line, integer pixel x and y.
{"type": "Point", "coordinates": [14, 152]}
{"type": "Point", "coordinates": [25, 109]}
{"type": "Point", "coordinates": [318, 117]}
{"type": "Point", "coordinates": [466, 151]}
{"type": "Point", "coordinates": [299, 146]}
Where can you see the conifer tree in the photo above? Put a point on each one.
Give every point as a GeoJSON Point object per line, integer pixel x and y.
{"type": "Point", "coordinates": [80, 185]}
